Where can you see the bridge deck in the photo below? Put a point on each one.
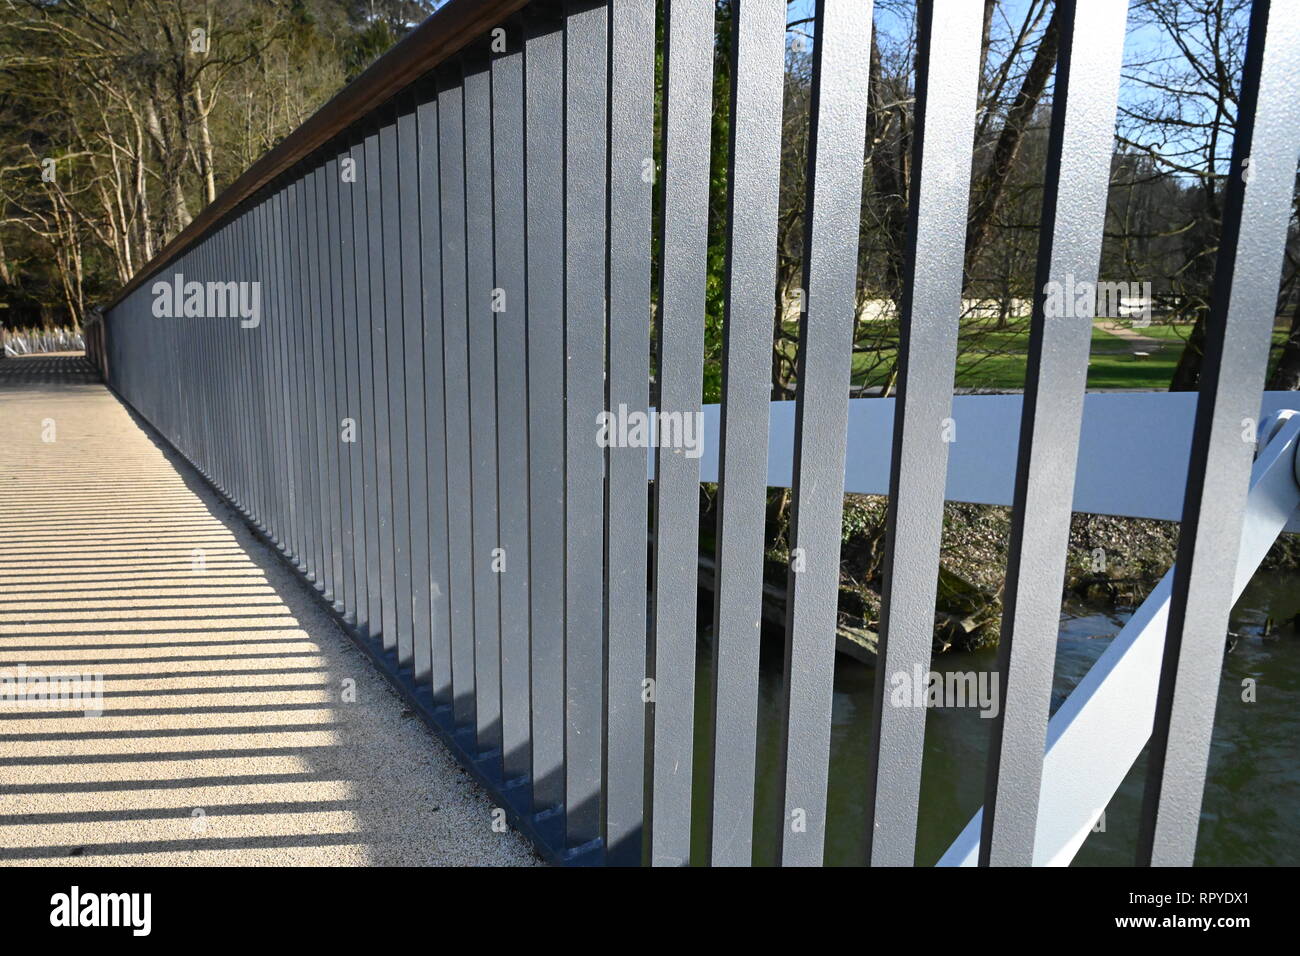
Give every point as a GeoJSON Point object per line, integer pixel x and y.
{"type": "Point", "coordinates": [224, 738]}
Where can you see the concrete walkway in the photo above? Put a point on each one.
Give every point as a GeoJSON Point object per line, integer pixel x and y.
{"type": "Point", "coordinates": [225, 736]}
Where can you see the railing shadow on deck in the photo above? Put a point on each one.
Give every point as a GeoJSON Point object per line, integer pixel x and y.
{"type": "Point", "coordinates": [253, 611]}
{"type": "Point", "coordinates": [47, 370]}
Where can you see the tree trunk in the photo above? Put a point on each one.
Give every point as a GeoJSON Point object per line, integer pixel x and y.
{"type": "Point", "coordinates": [1286, 377]}
{"type": "Point", "coordinates": [886, 166]}
{"type": "Point", "coordinates": [993, 185]}
{"type": "Point", "coordinates": [206, 161]}
{"type": "Point", "coordinates": [1187, 376]}
{"type": "Point", "coordinates": [986, 33]}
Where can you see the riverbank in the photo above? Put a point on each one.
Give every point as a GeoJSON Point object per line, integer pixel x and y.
{"type": "Point", "coordinates": [1111, 560]}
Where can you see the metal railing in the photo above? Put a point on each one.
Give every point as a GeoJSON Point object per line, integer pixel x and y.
{"type": "Point", "coordinates": [1099, 731]}
{"type": "Point", "coordinates": [37, 341]}
{"type": "Point", "coordinates": [390, 342]}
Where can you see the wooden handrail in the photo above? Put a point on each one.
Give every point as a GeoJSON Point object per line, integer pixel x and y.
{"type": "Point", "coordinates": [444, 33]}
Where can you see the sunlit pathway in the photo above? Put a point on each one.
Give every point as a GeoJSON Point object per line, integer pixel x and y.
{"type": "Point", "coordinates": [227, 733]}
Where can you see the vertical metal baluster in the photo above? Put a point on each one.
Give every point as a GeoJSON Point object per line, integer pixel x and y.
{"type": "Point", "coordinates": [243, 475]}
{"type": "Point", "coordinates": [544, 157]}
{"type": "Point", "coordinates": [688, 110]}
{"type": "Point", "coordinates": [455, 356]}
{"type": "Point", "coordinates": [754, 176]}
{"type": "Point", "coordinates": [481, 334]}
{"type": "Point", "coordinates": [430, 192]}
{"type": "Point", "coordinates": [413, 323]}
{"type": "Point", "coordinates": [512, 400]}
{"type": "Point", "coordinates": [380, 330]}
{"type": "Point", "coordinates": [389, 255]}
{"type": "Point", "coordinates": [285, 298]}
{"type": "Point", "coordinates": [1256, 214]}
{"type": "Point", "coordinates": [297, 351]}
{"type": "Point", "coordinates": [947, 81]}
{"type": "Point", "coordinates": [369, 421]}
{"type": "Point", "coordinates": [353, 332]}
{"type": "Point", "coordinates": [586, 38]}
{"type": "Point", "coordinates": [255, 337]}
{"type": "Point", "coordinates": [838, 129]}
{"type": "Point", "coordinates": [337, 398]}
{"type": "Point", "coordinates": [272, 304]}
{"type": "Point", "coordinates": [316, 411]}
{"type": "Point", "coordinates": [230, 264]}
{"type": "Point", "coordinates": [1079, 146]}
{"type": "Point", "coordinates": [223, 440]}
{"type": "Point", "coordinates": [304, 414]}
{"type": "Point", "coordinates": [330, 432]}
{"type": "Point", "coordinates": [261, 362]}
{"type": "Point", "coordinates": [631, 189]}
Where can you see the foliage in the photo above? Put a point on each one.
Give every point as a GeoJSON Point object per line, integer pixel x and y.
{"type": "Point", "coordinates": [136, 128]}
{"type": "Point", "coordinates": [120, 118]}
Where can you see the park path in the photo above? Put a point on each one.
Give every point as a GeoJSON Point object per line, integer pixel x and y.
{"type": "Point", "coordinates": [1128, 334]}
{"type": "Point", "coordinates": [224, 738]}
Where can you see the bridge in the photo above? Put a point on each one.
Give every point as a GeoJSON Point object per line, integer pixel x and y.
{"type": "Point", "coordinates": [382, 356]}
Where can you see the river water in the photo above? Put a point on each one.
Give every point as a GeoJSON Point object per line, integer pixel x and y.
{"type": "Point", "coordinates": [1251, 811]}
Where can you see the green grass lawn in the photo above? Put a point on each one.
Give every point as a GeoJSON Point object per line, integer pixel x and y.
{"type": "Point", "coordinates": [997, 359]}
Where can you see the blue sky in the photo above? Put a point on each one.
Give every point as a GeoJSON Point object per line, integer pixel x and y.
{"type": "Point", "coordinates": [1148, 47]}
